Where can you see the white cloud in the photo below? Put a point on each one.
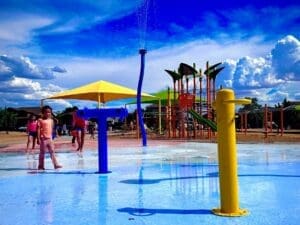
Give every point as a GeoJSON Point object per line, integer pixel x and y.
{"type": "Point", "coordinates": [22, 21]}
{"type": "Point", "coordinates": [292, 89]}
{"type": "Point", "coordinates": [286, 58]}
{"type": "Point", "coordinates": [84, 15]}
{"type": "Point", "coordinates": [19, 28]}
{"type": "Point", "coordinates": [126, 71]}
{"type": "Point", "coordinates": [53, 88]}
{"type": "Point", "coordinates": [277, 71]}
{"type": "Point", "coordinates": [254, 73]}
{"type": "Point", "coordinates": [22, 85]}
{"type": "Point", "coordinates": [19, 85]}
{"type": "Point", "coordinates": [277, 95]}
{"type": "Point", "coordinates": [281, 65]}
{"type": "Point", "coordinates": [23, 67]}
{"type": "Point", "coordinates": [5, 71]}
{"type": "Point", "coordinates": [58, 69]}
{"type": "Point", "coordinates": [250, 76]}
{"type": "Point", "coordinates": [59, 104]}
{"type": "Point", "coordinates": [19, 20]}
{"type": "Point", "coordinates": [226, 79]}
{"type": "Point", "coordinates": [251, 66]}
{"type": "Point", "coordinates": [22, 91]}
{"type": "Point", "coordinates": [196, 52]}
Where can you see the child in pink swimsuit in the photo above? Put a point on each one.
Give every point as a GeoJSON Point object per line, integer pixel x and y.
{"type": "Point", "coordinates": [32, 133]}
{"type": "Point", "coordinates": [44, 133]}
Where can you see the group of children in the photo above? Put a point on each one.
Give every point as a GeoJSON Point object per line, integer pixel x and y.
{"type": "Point", "coordinates": [41, 132]}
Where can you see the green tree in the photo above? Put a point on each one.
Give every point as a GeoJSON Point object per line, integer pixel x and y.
{"type": "Point", "coordinates": [65, 117]}
{"type": "Point", "coordinates": [254, 114]}
{"type": "Point", "coordinates": [285, 103]}
{"type": "Point", "coordinates": [254, 106]}
{"type": "Point", "coordinates": [7, 120]}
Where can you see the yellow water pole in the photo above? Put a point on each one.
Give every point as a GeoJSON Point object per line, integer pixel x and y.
{"type": "Point", "coordinates": [225, 108]}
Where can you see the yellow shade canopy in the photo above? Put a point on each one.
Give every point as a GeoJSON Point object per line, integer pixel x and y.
{"type": "Point", "coordinates": [99, 91]}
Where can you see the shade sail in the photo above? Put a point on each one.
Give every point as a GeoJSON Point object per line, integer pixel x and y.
{"type": "Point", "coordinates": [162, 96]}
{"type": "Point", "coordinates": [99, 91]}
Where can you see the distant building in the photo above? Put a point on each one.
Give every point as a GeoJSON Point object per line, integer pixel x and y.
{"type": "Point", "coordinates": [23, 114]}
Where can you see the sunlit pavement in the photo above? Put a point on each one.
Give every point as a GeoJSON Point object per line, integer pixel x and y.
{"type": "Point", "coordinates": [158, 184]}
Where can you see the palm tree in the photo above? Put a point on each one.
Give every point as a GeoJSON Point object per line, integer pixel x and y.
{"type": "Point", "coordinates": [194, 80]}
{"type": "Point", "coordinates": [200, 91]}
{"type": "Point", "coordinates": [211, 73]}
{"type": "Point", "coordinates": [186, 70]}
{"type": "Point", "coordinates": [175, 77]}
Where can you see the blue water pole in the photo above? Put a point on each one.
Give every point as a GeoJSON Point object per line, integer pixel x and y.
{"type": "Point", "coordinates": [138, 97]}
{"type": "Point", "coordinates": [101, 115]}
{"type": "Point", "coordinates": [102, 145]}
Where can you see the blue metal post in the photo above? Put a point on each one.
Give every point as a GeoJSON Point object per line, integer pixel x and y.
{"type": "Point", "coordinates": [102, 145]}
{"type": "Point", "coordinates": [138, 97]}
{"type": "Point", "coordinates": [101, 115]}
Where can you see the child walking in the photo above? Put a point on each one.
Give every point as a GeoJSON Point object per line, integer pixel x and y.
{"type": "Point", "coordinates": [79, 125]}
{"type": "Point", "coordinates": [44, 137]}
{"type": "Point", "coordinates": [32, 133]}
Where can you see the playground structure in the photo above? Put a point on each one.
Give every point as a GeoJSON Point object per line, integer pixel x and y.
{"type": "Point", "coordinates": [187, 110]}
{"type": "Point", "coordinates": [269, 123]}
{"type": "Point", "coordinates": [189, 114]}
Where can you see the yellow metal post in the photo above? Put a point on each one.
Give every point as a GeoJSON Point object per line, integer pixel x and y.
{"type": "Point", "coordinates": [225, 107]}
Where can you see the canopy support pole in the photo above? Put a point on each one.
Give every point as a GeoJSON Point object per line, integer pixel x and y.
{"type": "Point", "coordinates": [159, 116]}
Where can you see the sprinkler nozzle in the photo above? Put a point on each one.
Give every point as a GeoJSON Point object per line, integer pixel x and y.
{"type": "Point", "coordinates": [142, 51]}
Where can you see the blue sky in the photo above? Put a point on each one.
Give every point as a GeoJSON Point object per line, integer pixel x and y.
{"type": "Point", "coordinates": [50, 46]}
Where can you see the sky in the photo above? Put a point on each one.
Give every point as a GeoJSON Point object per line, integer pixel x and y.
{"type": "Point", "coordinates": [53, 45]}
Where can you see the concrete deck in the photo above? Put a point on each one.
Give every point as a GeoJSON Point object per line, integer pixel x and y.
{"type": "Point", "coordinates": [160, 184]}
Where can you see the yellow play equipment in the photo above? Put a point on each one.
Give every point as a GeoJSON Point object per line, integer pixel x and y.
{"type": "Point", "coordinates": [225, 107]}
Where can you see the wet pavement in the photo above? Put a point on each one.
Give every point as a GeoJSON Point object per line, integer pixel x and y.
{"type": "Point", "coordinates": [157, 185]}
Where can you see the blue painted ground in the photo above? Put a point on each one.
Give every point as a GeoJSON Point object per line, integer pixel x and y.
{"type": "Point", "coordinates": [153, 185]}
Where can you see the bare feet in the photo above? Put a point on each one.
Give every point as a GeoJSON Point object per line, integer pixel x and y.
{"type": "Point", "coordinates": [57, 166]}
{"type": "Point", "coordinates": [41, 168]}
